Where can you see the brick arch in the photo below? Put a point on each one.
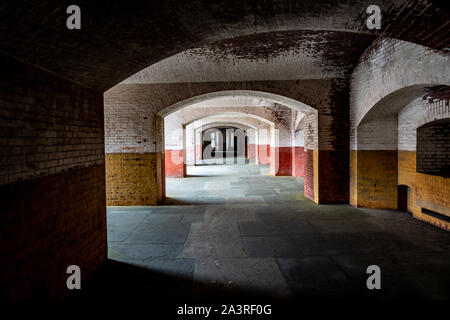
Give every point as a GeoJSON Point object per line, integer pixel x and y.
{"type": "Point", "coordinates": [133, 108]}
{"type": "Point", "coordinates": [374, 155]}
{"type": "Point", "coordinates": [113, 44]}
{"type": "Point", "coordinates": [129, 103]}
{"type": "Point", "coordinates": [385, 153]}
{"type": "Point", "coordinates": [425, 191]}
{"type": "Point", "coordinates": [176, 125]}
{"type": "Point", "coordinates": [178, 122]}
{"type": "Point", "coordinates": [253, 114]}
{"type": "Point", "coordinates": [171, 28]}
{"type": "Point", "coordinates": [278, 153]}
{"type": "Point", "coordinates": [249, 128]}
{"type": "Point", "coordinates": [377, 130]}
{"type": "Point", "coordinates": [237, 124]}
{"type": "Point", "coordinates": [251, 124]}
{"type": "Point", "coordinates": [181, 142]}
{"type": "Point", "coordinates": [389, 75]}
{"type": "Point", "coordinates": [266, 95]}
{"type": "Point", "coordinates": [392, 70]}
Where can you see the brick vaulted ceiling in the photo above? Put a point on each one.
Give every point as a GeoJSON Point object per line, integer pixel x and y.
{"type": "Point", "coordinates": [280, 55]}
{"type": "Point", "coordinates": [120, 38]}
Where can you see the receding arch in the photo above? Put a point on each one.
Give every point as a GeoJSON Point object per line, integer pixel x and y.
{"type": "Point", "coordinates": [383, 116]}
{"type": "Point", "coordinates": [395, 101]}
{"type": "Point", "coordinates": [238, 124]}
{"type": "Point", "coordinates": [231, 114]}
{"type": "Point", "coordinates": [162, 28]}
{"type": "Point", "coordinates": [257, 99]}
{"type": "Point", "coordinates": [385, 155]}
{"type": "Point", "coordinates": [271, 97]}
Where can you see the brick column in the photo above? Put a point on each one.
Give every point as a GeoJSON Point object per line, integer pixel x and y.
{"type": "Point", "coordinates": [333, 143]}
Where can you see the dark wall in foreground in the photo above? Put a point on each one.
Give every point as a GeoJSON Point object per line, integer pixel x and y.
{"type": "Point", "coordinates": [52, 181]}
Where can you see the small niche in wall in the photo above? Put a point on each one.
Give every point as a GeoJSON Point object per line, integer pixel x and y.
{"type": "Point", "coordinates": [402, 194]}
{"type": "Point", "coordinates": [433, 148]}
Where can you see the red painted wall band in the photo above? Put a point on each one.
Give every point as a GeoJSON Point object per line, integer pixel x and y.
{"type": "Point", "coordinates": [298, 161]}
{"type": "Point", "coordinates": [263, 154]}
{"type": "Point", "coordinates": [174, 166]}
{"type": "Point", "coordinates": [198, 152]}
{"type": "Point", "coordinates": [281, 161]}
{"type": "Point", "coordinates": [251, 151]}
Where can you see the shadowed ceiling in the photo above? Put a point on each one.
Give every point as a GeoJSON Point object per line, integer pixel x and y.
{"type": "Point", "coordinates": [120, 38]}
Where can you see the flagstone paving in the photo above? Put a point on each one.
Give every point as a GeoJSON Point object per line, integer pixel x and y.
{"type": "Point", "coordinates": [230, 230]}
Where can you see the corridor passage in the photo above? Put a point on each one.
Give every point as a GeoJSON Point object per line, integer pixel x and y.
{"type": "Point", "coordinates": [234, 230]}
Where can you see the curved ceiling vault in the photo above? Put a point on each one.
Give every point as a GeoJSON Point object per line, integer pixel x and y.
{"type": "Point", "coordinates": [399, 99]}
{"type": "Point", "coordinates": [227, 115]}
{"type": "Point", "coordinates": [236, 124]}
{"type": "Point", "coordinates": [120, 38]}
{"type": "Point", "coordinates": [259, 97]}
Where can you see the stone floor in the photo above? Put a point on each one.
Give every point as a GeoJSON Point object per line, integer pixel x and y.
{"type": "Point", "coordinates": [234, 231]}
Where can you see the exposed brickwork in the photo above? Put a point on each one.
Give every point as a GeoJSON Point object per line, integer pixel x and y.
{"type": "Point", "coordinates": [52, 150]}
{"type": "Point", "coordinates": [263, 153]}
{"type": "Point", "coordinates": [52, 155]}
{"type": "Point", "coordinates": [298, 161]}
{"type": "Point", "coordinates": [333, 176]}
{"type": "Point", "coordinates": [293, 55]}
{"type": "Point", "coordinates": [311, 131]}
{"type": "Point", "coordinates": [393, 67]}
{"type": "Point", "coordinates": [353, 187]}
{"type": "Point", "coordinates": [426, 191]}
{"type": "Point", "coordinates": [378, 134]}
{"type": "Point", "coordinates": [174, 164]}
{"type": "Point", "coordinates": [131, 179]}
{"type": "Point", "coordinates": [309, 174]}
{"type": "Point", "coordinates": [47, 224]}
{"type": "Point", "coordinates": [417, 114]}
{"type": "Point", "coordinates": [129, 124]}
{"type": "Point", "coordinates": [241, 124]}
{"type": "Point", "coordinates": [160, 163]}
{"type": "Point", "coordinates": [204, 114]}
{"type": "Point", "coordinates": [333, 124]}
{"type": "Point", "coordinates": [376, 179]}
{"type": "Point", "coordinates": [251, 151]}
{"type": "Point", "coordinates": [330, 97]}
{"type": "Point", "coordinates": [168, 28]}
{"type": "Point", "coordinates": [48, 124]}
{"type": "Point", "coordinates": [130, 109]}
{"type": "Point", "coordinates": [281, 161]}
{"type": "Point", "coordinates": [433, 148]}
{"type": "Point", "coordinates": [395, 88]}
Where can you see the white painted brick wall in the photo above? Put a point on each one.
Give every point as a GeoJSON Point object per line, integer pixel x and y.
{"type": "Point", "coordinates": [310, 129]}
{"type": "Point", "coordinates": [415, 115]}
{"type": "Point", "coordinates": [390, 65]}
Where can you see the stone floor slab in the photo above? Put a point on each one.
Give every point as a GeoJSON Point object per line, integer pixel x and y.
{"type": "Point", "coordinates": [207, 240]}
{"type": "Point", "coordinates": [257, 276]}
{"type": "Point", "coordinates": [129, 252]}
{"type": "Point", "coordinates": [275, 227]}
{"type": "Point", "coordinates": [275, 246]}
{"type": "Point", "coordinates": [243, 231]}
{"type": "Point", "coordinates": [160, 229]}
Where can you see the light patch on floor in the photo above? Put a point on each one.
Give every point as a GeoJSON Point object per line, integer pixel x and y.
{"type": "Point", "coordinates": [233, 230]}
